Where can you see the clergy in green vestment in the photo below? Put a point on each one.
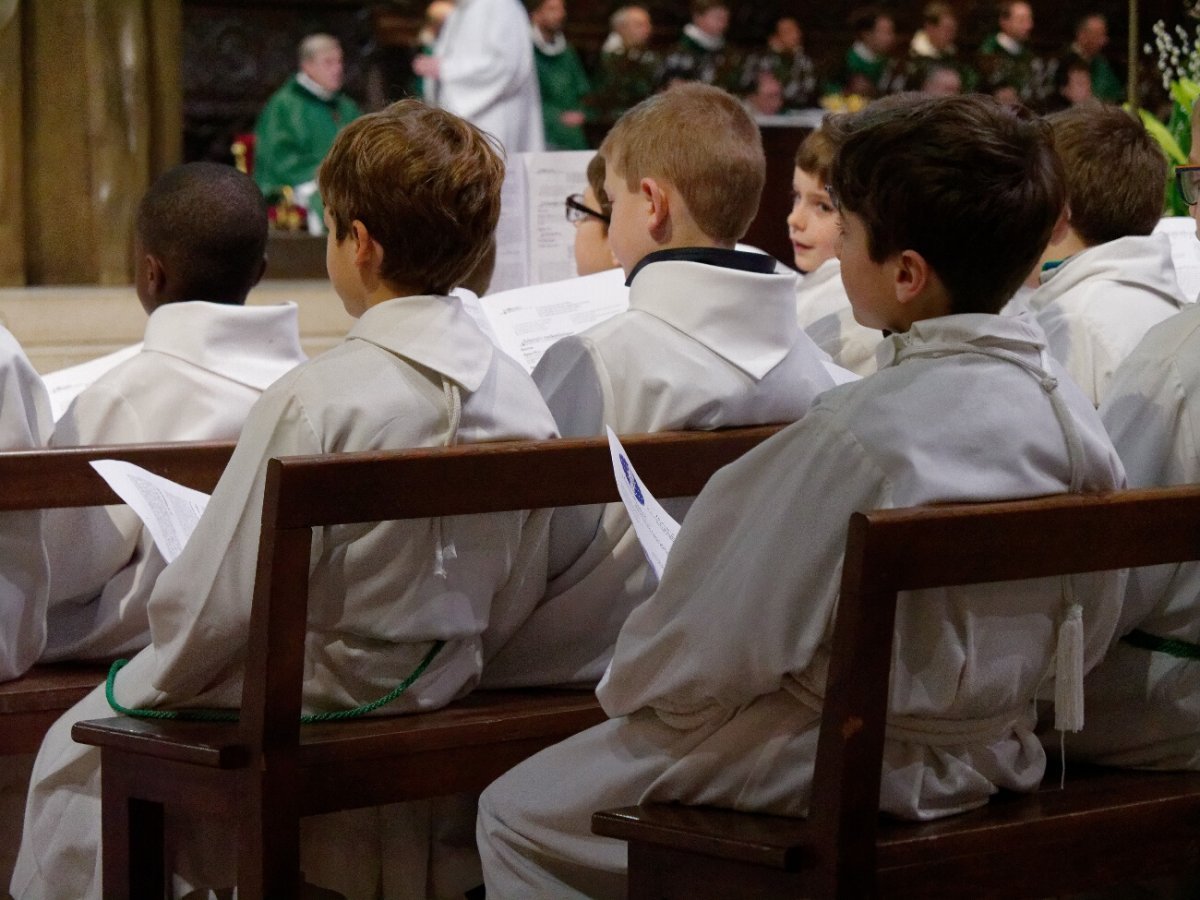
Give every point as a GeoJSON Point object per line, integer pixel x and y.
{"type": "Point", "coordinates": [297, 126]}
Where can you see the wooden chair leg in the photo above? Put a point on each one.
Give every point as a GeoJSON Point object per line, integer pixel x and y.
{"type": "Point", "coordinates": [133, 854]}
{"type": "Point", "coordinates": [269, 841]}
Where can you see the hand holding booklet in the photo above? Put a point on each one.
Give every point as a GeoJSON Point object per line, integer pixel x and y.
{"type": "Point", "coordinates": [169, 511]}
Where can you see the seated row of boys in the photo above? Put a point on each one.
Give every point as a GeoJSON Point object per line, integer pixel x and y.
{"type": "Point", "coordinates": [945, 205]}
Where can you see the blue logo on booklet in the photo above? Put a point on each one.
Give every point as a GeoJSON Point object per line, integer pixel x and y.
{"type": "Point", "coordinates": [637, 490]}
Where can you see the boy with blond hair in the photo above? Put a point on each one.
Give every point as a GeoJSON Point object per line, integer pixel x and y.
{"type": "Point", "coordinates": [1105, 279]}
{"type": "Point", "coordinates": [815, 230]}
{"type": "Point", "coordinates": [412, 197]}
{"type": "Point", "coordinates": [710, 340]}
{"type": "Point", "coordinates": [717, 682]}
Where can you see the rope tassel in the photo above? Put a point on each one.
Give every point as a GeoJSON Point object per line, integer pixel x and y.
{"type": "Point", "coordinates": [1068, 674]}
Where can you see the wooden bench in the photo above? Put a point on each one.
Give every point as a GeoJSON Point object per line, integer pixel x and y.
{"type": "Point", "coordinates": [1104, 828]}
{"type": "Point", "coordinates": [49, 479]}
{"type": "Point", "coordinates": [266, 771]}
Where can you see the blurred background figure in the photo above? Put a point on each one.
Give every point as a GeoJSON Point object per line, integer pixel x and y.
{"type": "Point", "coordinates": [1005, 57]}
{"type": "Point", "coordinates": [482, 69]}
{"type": "Point", "coordinates": [1091, 37]}
{"type": "Point", "coordinates": [436, 14]}
{"type": "Point", "coordinates": [561, 79]}
{"type": "Point", "coordinates": [934, 45]}
{"type": "Point", "coordinates": [627, 69]}
{"type": "Point", "coordinates": [700, 54]}
{"type": "Point", "coordinates": [868, 69]}
{"type": "Point", "coordinates": [766, 98]}
{"type": "Point", "coordinates": [784, 58]}
{"type": "Point", "coordinates": [297, 126]}
{"type": "Point", "coordinates": [941, 81]}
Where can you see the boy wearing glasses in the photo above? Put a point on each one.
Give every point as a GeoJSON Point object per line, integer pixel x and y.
{"type": "Point", "coordinates": [590, 213]}
{"type": "Point", "coordinates": [710, 340]}
{"type": "Point", "coordinates": [717, 681]}
{"type": "Point", "coordinates": [1105, 278]}
{"type": "Point", "coordinates": [1141, 699]}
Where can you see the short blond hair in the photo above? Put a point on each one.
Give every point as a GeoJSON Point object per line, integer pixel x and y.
{"type": "Point", "coordinates": [704, 143]}
{"type": "Point", "coordinates": [425, 183]}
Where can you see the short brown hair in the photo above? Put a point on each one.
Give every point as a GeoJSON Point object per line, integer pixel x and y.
{"type": "Point", "coordinates": [425, 183]}
{"type": "Point", "coordinates": [595, 176]}
{"type": "Point", "coordinates": [702, 141]}
{"type": "Point", "coordinates": [1115, 172]}
{"type": "Point", "coordinates": [700, 7]}
{"type": "Point", "coordinates": [972, 186]}
{"type": "Point", "coordinates": [815, 155]}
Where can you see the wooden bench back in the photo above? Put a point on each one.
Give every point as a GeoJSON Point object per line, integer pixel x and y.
{"type": "Point", "coordinates": [890, 551]}
{"type": "Point", "coordinates": [305, 492]}
{"type": "Point", "coordinates": [63, 477]}
{"type": "Point", "coordinates": [60, 478]}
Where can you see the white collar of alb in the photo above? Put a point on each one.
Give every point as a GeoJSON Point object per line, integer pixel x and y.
{"type": "Point", "coordinates": [313, 88]}
{"type": "Point", "coordinates": [703, 38]}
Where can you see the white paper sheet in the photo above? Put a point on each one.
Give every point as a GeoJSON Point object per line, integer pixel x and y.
{"type": "Point", "coordinates": [169, 511]}
{"type": "Point", "coordinates": [534, 241]}
{"type": "Point", "coordinates": [526, 321]}
{"type": "Point", "coordinates": [67, 384]}
{"type": "Point", "coordinates": [655, 529]}
{"type": "Point", "coordinates": [1185, 252]}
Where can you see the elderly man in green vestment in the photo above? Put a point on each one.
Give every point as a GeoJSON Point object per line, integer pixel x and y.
{"type": "Point", "coordinates": [297, 126]}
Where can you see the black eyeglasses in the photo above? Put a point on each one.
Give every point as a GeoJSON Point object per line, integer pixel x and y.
{"type": "Point", "coordinates": [1187, 179]}
{"type": "Point", "coordinates": [577, 210]}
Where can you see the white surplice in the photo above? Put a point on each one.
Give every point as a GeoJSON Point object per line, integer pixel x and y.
{"type": "Point", "coordinates": [487, 73]}
{"type": "Point", "coordinates": [716, 683]}
{"type": "Point", "coordinates": [701, 347]}
{"type": "Point", "coordinates": [412, 372]}
{"type": "Point", "coordinates": [202, 366]}
{"type": "Point", "coordinates": [1143, 706]}
{"type": "Point", "coordinates": [1098, 303]}
{"type": "Point", "coordinates": [25, 424]}
{"type": "Point", "coordinates": [824, 312]}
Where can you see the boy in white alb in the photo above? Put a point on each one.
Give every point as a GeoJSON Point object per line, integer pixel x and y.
{"type": "Point", "coordinates": [414, 371]}
{"type": "Point", "coordinates": [717, 680]}
{"type": "Point", "coordinates": [815, 228]}
{"type": "Point", "coordinates": [24, 425]}
{"type": "Point", "coordinates": [710, 340]}
{"type": "Point", "coordinates": [1143, 700]}
{"type": "Point", "coordinates": [200, 241]}
{"type": "Point", "coordinates": [1105, 278]}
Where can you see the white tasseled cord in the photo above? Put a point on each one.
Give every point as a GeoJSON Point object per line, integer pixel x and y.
{"type": "Point", "coordinates": [443, 551]}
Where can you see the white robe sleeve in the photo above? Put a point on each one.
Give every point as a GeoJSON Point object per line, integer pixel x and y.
{"type": "Point", "coordinates": [1154, 428]}
{"type": "Point", "coordinates": [86, 546]}
{"type": "Point", "coordinates": [751, 582]}
{"type": "Point", "coordinates": [24, 425]}
{"type": "Point", "coordinates": [489, 58]}
{"type": "Point", "coordinates": [577, 388]}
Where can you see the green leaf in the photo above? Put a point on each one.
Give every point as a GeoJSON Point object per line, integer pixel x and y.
{"type": "Point", "coordinates": [1166, 140]}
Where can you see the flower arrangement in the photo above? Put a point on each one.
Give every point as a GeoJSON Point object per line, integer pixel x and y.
{"type": "Point", "coordinates": [1178, 58]}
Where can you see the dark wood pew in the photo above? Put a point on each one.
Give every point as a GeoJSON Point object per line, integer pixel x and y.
{"type": "Point", "coordinates": [1105, 827]}
{"type": "Point", "coordinates": [267, 771]}
{"type": "Point", "coordinates": [49, 479]}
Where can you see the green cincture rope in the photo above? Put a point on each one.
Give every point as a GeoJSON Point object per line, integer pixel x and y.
{"type": "Point", "coordinates": [1170, 646]}
{"type": "Point", "coordinates": [231, 715]}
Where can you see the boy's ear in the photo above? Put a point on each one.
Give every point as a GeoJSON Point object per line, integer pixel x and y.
{"type": "Point", "coordinates": [911, 276]}
{"type": "Point", "coordinates": [154, 274]}
{"type": "Point", "coordinates": [364, 244]}
{"type": "Point", "coordinates": [658, 209]}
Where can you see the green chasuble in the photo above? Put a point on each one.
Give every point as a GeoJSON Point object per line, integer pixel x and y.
{"type": "Point", "coordinates": [563, 84]}
{"type": "Point", "coordinates": [293, 133]}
